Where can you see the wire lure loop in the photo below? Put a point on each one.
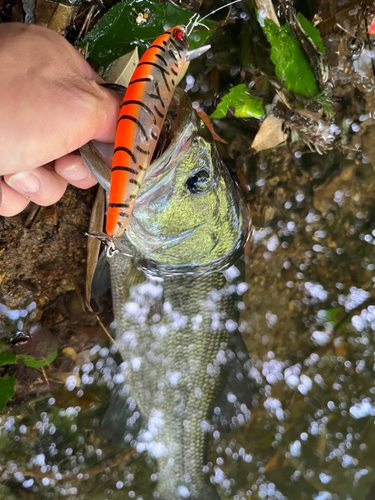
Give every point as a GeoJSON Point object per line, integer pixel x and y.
{"type": "Point", "coordinates": [196, 20]}
{"type": "Point", "coordinates": [111, 249]}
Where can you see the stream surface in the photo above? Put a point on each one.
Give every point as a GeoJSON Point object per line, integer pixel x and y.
{"type": "Point", "coordinates": [307, 312]}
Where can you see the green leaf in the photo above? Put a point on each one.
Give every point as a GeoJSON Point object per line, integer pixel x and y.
{"type": "Point", "coordinates": [6, 390]}
{"type": "Point", "coordinates": [37, 363]}
{"type": "Point", "coordinates": [333, 315]}
{"type": "Point", "coordinates": [7, 358]}
{"type": "Point", "coordinates": [291, 63]}
{"type": "Point", "coordinates": [117, 32]}
{"type": "Point", "coordinates": [312, 32]}
{"type": "Point", "coordinates": [325, 100]}
{"type": "Point", "coordinates": [244, 103]}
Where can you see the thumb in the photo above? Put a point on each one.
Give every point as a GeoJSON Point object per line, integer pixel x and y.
{"type": "Point", "coordinates": [104, 116]}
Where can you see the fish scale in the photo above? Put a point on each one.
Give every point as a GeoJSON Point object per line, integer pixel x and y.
{"type": "Point", "coordinates": [183, 349]}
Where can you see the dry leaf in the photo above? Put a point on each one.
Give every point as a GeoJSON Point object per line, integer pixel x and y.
{"type": "Point", "coordinates": [122, 69]}
{"type": "Point", "coordinates": [268, 8]}
{"type": "Point", "coordinates": [270, 134]}
{"type": "Point", "coordinates": [93, 245]}
{"type": "Point", "coordinates": [206, 120]}
{"type": "Point", "coordinates": [69, 352]}
{"type": "Point", "coordinates": [62, 17]}
{"type": "Point", "coordinates": [43, 12]}
{"type": "Point", "coordinates": [183, 72]}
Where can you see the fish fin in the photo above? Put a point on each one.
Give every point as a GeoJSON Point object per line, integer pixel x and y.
{"type": "Point", "coordinates": [136, 276]}
{"type": "Point", "coordinates": [239, 394]}
{"type": "Point", "coordinates": [122, 420]}
{"type": "Point", "coordinates": [101, 281]}
{"type": "Point", "coordinates": [125, 270]}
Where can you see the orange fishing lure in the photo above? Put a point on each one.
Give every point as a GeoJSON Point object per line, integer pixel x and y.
{"type": "Point", "coordinates": [142, 115]}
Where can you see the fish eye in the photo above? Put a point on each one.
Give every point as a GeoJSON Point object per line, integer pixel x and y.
{"type": "Point", "coordinates": [198, 182]}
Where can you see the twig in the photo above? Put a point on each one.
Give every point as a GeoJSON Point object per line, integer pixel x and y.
{"type": "Point", "coordinates": [86, 23]}
{"type": "Point", "coordinates": [45, 376]}
{"type": "Point", "coordinates": [31, 218]}
{"type": "Point", "coordinates": [104, 328]}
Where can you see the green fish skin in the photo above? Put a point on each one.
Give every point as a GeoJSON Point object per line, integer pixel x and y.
{"type": "Point", "coordinates": [174, 301]}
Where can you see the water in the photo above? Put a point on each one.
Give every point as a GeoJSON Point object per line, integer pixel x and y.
{"type": "Point", "coordinates": [307, 318]}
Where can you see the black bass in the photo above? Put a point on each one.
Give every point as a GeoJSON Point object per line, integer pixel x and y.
{"type": "Point", "coordinates": [176, 322]}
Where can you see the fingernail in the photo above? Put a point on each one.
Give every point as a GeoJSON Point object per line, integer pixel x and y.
{"type": "Point", "coordinates": [25, 182]}
{"type": "Point", "coordinates": [76, 172]}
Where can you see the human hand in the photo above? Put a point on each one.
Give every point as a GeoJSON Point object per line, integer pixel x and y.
{"type": "Point", "coordinates": [50, 105]}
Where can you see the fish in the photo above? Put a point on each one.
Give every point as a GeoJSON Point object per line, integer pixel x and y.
{"type": "Point", "coordinates": [185, 366]}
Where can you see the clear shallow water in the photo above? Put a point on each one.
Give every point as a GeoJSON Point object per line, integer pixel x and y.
{"type": "Point", "coordinates": [307, 318]}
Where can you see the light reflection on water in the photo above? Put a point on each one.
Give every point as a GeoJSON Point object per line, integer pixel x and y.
{"type": "Point", "coordinates": [308, 323]}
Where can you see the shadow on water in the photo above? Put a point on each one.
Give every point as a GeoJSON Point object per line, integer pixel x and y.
{"type": "Point", "coordinates": [302, 298]}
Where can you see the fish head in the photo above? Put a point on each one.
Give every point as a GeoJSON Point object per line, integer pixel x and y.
{"type": "Point", "coordinates": [189, 215]}
{"type": "Point", "coordinates": [189, 212]}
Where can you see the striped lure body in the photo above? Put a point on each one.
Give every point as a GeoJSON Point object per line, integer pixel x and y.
{"type": "Point", "coordinates": [142, 115]}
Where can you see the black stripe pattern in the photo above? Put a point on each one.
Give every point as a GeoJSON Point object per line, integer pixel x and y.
{"type": "Point", "coordinates": [140, 80]}
{"type": "Point", "coordinates": [158, 47]}
{"type": "Point", "coordinates": [133, 181]}
{"type": "Point", "coordinates": [143, 105]}
{"type": "Point", "coordinates": [126, 150]}
{"type": "Point", "coordinates": [161, 58]}
{"type": "Point", "coordinates": [164, 72]}
{"type": "Point", "coordinates": [142, 151]}
{"type": "Point", "coordinates": [137, 122]}
{"type": "Point", "coordinates": [157, 95]}
{"type": "Point", "coordinates": [118, 205]}
{"type": "Point", "coordinates": [158, 112]}
{"type": "Point", "coordinates": [125, 169]}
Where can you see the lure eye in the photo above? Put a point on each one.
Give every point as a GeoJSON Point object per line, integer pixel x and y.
{"type": "Point", "coordinates": [179, 35]}
{"type": "Point", "coordinates": [198, 182]}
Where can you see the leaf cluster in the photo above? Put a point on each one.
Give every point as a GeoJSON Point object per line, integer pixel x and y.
{"type": "Point", "coordinates": [292, 67]}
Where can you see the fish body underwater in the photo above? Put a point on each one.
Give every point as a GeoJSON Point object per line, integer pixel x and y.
{"type": "Point", "coordinates": [175, 303]}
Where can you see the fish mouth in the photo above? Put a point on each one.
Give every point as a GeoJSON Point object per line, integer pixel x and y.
{"type": "Point", "coordinates": [174, 141]}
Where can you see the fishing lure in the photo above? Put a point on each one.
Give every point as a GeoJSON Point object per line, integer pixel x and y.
{"type": "Point", "coordinates": [142, 115]}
